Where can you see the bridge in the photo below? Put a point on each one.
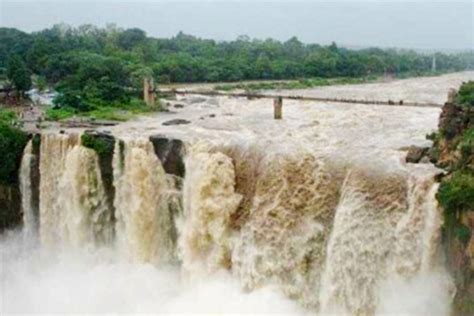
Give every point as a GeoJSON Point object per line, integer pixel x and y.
{"type": "Point", "coordinates": [259, 95]}
{"type": "Point", "coordinates": [149, 92]}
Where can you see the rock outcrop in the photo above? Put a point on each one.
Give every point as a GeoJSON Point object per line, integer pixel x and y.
{"type": "Point", "coordinates": [169, 151]}
{"type": "Point", "coordinates": [453, 150]}
{"type": "Point", "coordinates": [416, 154]}
{"type": "Point", "coordinates": [176, 122]}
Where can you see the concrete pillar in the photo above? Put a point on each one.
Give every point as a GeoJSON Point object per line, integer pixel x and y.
{"type": "Point", "coordinates": [278, 108]}
{"type": "Point", "coordinates": [148, 91]}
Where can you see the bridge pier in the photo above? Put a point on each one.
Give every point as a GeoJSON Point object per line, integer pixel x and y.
{"type": "Point", "coordinates": [149, 91]}
{"type": "Point", "coordinates": [278, 108]}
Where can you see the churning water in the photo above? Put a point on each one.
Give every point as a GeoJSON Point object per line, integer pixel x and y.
{"type": "Point", "coordinates": [314, 214]}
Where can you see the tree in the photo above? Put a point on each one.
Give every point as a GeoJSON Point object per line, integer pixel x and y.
{"type": "Point", "coordinates": [12, 142]}
{"type": "Point", "coordinates": [18, 74]}
{"type": "Point", "coordinates": [131, 37]}
{"type": "Point", "coordinates": [94, 80]}
{"type": "Point", "coordinates": [41, 83]}
{"type": "Point", "coordinates": [466, 94]}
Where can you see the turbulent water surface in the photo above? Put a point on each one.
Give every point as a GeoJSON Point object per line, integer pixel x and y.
{"type": "Point", "coordinates": [315, 213]}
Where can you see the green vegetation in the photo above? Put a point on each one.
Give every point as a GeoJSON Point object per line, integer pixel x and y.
{"type": "Point", "coordinates": [456, 137]}
{"type": "Point", "coordinates": [18, 74]}
{"type": "Point", "coordinates": [60, 113]}
{"type": "Point", "coordinates": [466, 94]}
{"type": "Point", "coordinates": [457, 193]}
{"type": "Point", "coordinates": [8, 118]}
{"type": "Point", "coordinates": [453, 149]}
{"type": "Point", "coordinates": [104, 111]}
{"type": "Point", "coordinates": [12, 143]}
{"type": "Point", "coordinates": [41, 83]}
{"type": "Point", "coordinates": [102, 146]}
{"type": "Point", "coordinates": [466, 147]}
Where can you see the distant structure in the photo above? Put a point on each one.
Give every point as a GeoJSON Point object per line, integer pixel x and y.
{"type": "Point", "coordinates": [149, 91]}
{"type": "Point", "coordinates": [433, 64]}
{"type": "Point", "coordinates": [277, 108]}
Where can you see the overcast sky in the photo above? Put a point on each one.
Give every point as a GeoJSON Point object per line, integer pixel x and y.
{"type": "Point", "coordinates": [409, 24]}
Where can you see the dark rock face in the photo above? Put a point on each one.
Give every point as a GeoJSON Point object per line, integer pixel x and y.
{"type": "Point", "coordinates": [169, 151]}
{"type": "Point", "coordinates": [10, 206]}
{"type": "Point", "coordinates": [416, 154]}
{"type": "Point", "coordinates": [10, 195]}
{"type": "Point", "coordinates": [176, 122]}
{"type": "Point", "coordinates": [454, 119]}
{"type": "Point", "coordinates": [35, 178]}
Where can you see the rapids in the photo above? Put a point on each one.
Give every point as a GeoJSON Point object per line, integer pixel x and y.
{"type": "Point", "coordinates": [314, 214]}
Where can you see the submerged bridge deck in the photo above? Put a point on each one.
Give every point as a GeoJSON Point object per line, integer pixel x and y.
{"type": "Point", "coordinates": [293, 97]}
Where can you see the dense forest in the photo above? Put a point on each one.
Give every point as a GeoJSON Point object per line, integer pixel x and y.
{"type": "Point", "coordinates": [91, 65]}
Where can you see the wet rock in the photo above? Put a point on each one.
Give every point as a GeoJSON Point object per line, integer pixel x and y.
{"type": "Point", "coordinates": [416, 154]}
{"type": "Point", "coordinates": [196, 99]}
{"type": "Point", "coordinates": [206, 116]}
{"type": "Point", "coordinates": [213, 101]}
{"type": "Point", "coordinates": [425, 159]}
{"type": "Point", "coordinates": [170, 153]}
{"type": "Point", "coordinates": [35, 176]}
{"type": "Point", "coordinates": [176, 122]}
{"type": "Point", "coordinates": [179, 106]}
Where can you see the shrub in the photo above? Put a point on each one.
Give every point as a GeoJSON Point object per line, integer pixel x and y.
{"type": "Point", "coordinates": [8, 117]}
{"type": "Point", "coordinates": [466, 94]}
{"type": "Point", "coordinates": [466, 146]}
{"type": "Point", "coordinates": [457, 192]}
{"type": "Point", "coordinates": [60, 113]}
{"type": "Point", "coordinates": [12, 143]}
{"type": "Point", "coordinates": [102, 146]}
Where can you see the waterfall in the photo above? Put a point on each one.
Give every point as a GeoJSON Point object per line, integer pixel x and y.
{"type": "Point", "coordinates": [209, 201]}
{"type": "Point", "coordinates": [144, 221]}
{"type": "Point", "coordinates": [29, 209]}
{"type": "Point", "coordinates": [285, 236]}
{"type": "Point", "coordinates": [328, 234]}
{"type": "Point", "coordinates": [53, 153]}
{"type": "Point", "coordinates": [73, 209]}
{"type": "Point", "coordinates": [385, 226]}
{"type": "Point", "coordinates": [83, 201]}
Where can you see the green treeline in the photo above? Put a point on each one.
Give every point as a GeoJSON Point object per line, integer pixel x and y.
{"type": "Point", "coordinates": [91, 65]}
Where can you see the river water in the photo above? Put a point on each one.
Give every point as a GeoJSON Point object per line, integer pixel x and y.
{"type": "Point", "coordinates": [317, 213]}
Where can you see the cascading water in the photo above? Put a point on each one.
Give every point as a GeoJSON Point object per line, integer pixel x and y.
{"type": "Point", "coordinates": [144, 221]}
{"type": "Point", "coordinates": [30, 216]}
{"type": "Point", "coordinates": [377, 232]}
{"type": "Point", "coordinates": [327, 235]}
{"type": "Point", "coordinates": [83, 202]}
{"type": "Point", "coordinates": [318, 217]}
{"type": "Point", "coordinates": [53, 153]}
{"type": "Point", "coordinates": [209, 202]}
{"type": "Point", "coordinates": [73, 208]}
